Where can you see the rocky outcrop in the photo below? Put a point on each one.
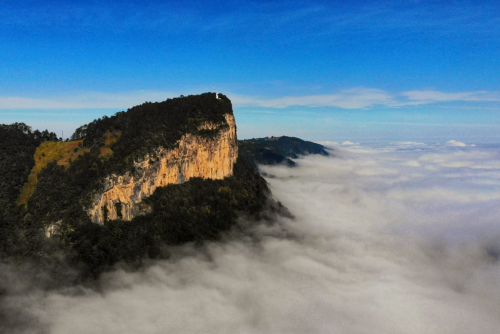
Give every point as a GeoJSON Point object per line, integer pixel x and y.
{"type": "Point", "coordinates": [195, 156]}
{"type": "Point", "coordinates": [53, 229]}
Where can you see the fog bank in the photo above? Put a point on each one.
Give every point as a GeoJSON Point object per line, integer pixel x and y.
{"type": "Point", "coordinates": [396, 238]}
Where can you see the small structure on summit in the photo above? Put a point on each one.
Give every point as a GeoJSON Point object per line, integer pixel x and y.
{"type": "Point", "coordinates": [216, 94]}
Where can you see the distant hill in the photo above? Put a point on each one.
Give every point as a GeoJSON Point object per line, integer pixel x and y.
{"type": "Point", "coordinates": [276, 150]}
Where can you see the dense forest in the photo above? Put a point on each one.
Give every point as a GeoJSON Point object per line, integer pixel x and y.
{"type": "Point", "coordinates": [17, 147]}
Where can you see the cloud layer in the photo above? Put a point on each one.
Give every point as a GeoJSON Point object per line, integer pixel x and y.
{"type": "Point", "coordinates": [87, 100]}
{"type": "Point", "coordinates": [364, 98]}
{"type": "Point", "coordinates": [400, 238]}
{"type": "Point", "coordinates": [354, 98]}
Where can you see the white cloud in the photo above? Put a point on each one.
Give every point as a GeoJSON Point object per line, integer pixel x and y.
{"type": "Point", "coordinates": [364, 98]}
{"type": "Point", "coordinates": [354, 98]}
{"type": "Point", "coordinates": [431, 96]}
{"type": "Point", "coordinates": [377, 246]}
{"type": "Point", "coordinates": [457, 143]}
{"type": "Point", "coordinates": [407, 143]}
{"type": "Point", "coordinates": [87, 100]}
{"type": "Point", "coordinates": [330, 144]}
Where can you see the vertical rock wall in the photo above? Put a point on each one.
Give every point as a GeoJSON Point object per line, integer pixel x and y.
{"type": "Point", "coordinates": [195, 156]}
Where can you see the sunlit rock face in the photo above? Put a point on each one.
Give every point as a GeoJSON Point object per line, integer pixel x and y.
{"type": "Point", "coordinates": [195, 156]}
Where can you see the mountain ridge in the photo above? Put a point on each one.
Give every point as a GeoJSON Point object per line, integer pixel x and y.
{"type": "Point", "coordinates": [277, 150]}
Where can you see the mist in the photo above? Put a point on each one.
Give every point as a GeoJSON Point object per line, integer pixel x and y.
{"type": "Point", "coordinates": [393, 238]}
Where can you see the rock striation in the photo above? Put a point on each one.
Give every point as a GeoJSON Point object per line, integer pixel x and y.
{"type": "Point", "coordinates": [195, 156]}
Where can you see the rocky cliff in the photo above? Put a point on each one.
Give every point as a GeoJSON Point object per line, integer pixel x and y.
{"type": "Point", "coordinates": [195, 156]}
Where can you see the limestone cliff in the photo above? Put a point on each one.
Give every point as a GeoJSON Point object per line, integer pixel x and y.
{"type": "Point", "coordinates": [195, 156]}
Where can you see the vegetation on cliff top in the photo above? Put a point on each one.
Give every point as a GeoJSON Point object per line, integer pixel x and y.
{"type": "Point", "coordinates": [148, 126]}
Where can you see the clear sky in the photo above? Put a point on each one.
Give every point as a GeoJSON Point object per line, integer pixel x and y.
{"type": "Point", "coordinates": [321, 70]}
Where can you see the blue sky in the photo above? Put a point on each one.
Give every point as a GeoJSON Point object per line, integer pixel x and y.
{"type": "Point", "coordinates": [321, 70]}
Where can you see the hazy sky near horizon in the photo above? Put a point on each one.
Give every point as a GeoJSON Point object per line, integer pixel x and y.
{"type": "Point", "coordinates": [322, 70]}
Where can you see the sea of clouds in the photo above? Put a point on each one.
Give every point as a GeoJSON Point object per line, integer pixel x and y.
{"type": "Point", "coordinates": [389, 238]}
